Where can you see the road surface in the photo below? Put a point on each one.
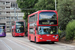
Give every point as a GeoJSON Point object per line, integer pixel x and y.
{"type": "Point", "coordinates": [22, 43]}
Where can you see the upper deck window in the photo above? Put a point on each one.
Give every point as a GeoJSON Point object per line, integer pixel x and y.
{"type": "Point", "coordinates": [47, 18]}
{"type": "Point", "coordinates": [33, 18]}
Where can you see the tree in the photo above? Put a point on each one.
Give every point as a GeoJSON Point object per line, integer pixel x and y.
{"type": "Point", "coordinates": [45, 5]}
{"type": "Point", "coordinates": [70, 30]}
{"type": "Point", "coordinates": [66, 10]}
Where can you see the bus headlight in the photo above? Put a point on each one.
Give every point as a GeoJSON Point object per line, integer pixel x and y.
{"type": "Point", "coordinates": [56, 37]}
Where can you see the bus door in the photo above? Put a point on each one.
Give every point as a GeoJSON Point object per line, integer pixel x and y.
{"type": "Point", "coordinates": [4, 30]}
{"type": "Point", "coordinates": [33, 34]}
{"type": "Point", "coordinates": [13, 30]}
{"type": "Point", "coordinates": [36, 30]}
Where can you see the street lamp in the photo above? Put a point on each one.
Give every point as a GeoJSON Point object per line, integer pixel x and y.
{"type": "Point", "coordinates": [14, 13]}
{"type": "Point", "coordinates": [55, 5]}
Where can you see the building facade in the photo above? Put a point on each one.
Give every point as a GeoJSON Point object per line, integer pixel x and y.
{"type": "Point", "coordinates": [9, 12]}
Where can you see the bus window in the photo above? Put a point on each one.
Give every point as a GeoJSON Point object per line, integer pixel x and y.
{"type": "Point", "coordinates": [47, 18]}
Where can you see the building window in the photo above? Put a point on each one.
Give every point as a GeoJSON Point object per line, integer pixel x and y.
{"type": "Point", "coordinates": [14, 5]}
{"type": "Point", "coordinates": [7, 7]}
{"type": "Point", "coordinates": [8, 26]}
{"type": "Point", "coordinates": [7, 17]}
{"type": "Point", "coordinates": [7, 2]}
{"type": "Point", "coordinates": [11, 17]}
{"type": "Point", "coordinates": [7, 12]}
{"type": "Point", "coordinates": [8, 21]}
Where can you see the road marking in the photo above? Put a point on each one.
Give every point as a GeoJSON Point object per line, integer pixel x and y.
{"type": "Point", "coordinates": [6, 45]}
{"type": "Point", "coordinates": [31, 44]}
{"type": "Point", "coordinates": [20, 45]}
{"type": "Point", "coordinates": [37, 46]}
{"type": "Point", "coordinates": [65, 44]}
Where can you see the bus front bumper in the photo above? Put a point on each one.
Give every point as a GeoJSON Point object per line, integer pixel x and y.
{"type": "Point", "coordinates": [47, 40]}
{"type": "Point", "coordinates": [19, 34]}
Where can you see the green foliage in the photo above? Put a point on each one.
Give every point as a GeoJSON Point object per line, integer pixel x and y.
{"type": "Point", "coordinates": [59, 32]}
{"type": "Point", "coordinates": [26, 6]}
{"type": "Point", "coordinates": [70, 30]}
{"type": "Point", "coordinates": [66, 10]}
{"type": "Point", "coordinates": [45, 5]}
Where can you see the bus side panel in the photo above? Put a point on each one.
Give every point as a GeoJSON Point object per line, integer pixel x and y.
{"type": "Point", "coordinates": [28, 30]}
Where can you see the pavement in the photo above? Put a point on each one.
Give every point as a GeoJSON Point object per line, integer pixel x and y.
{"type": "Point", "coordinates": [22, 43]}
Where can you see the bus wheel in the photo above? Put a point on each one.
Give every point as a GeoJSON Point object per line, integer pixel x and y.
{"type": "Point", "coordinates": [35, 39]}
{"type": "Point", "coordinates": [30, 39]}
{"type": "Point", "coordinates": [4, 36]}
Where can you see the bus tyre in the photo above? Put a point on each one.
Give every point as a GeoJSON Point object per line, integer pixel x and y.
{"type": "Point", "coordinates": [35, 39]}
{"type": "Point", "coordinates": [4, 36]}
{"type": "Point", "coordinates": [30, 39]}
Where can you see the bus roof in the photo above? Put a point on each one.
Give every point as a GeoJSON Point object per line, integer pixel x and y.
{"type": "Point", "coordinates": [42, 11]}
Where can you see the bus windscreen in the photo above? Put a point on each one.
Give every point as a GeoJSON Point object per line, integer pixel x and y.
{"type": "Point", "coordinates": [49, 18]}
{"type": "Point", "coordinates": [47, 30]}
{"type": "Point", "coordinates": [19, 27]}
{"type": "Point", "coordinates": [1, 30]}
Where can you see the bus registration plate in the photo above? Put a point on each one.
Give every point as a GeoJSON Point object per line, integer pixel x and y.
{"type": "Point", "coordinates": [48, 40]}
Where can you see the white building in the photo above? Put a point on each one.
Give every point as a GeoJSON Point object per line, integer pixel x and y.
{"type": "Point", "coordinates": [9, 12]}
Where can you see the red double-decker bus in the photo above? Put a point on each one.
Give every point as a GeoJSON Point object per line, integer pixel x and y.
{"type": "Point", "coordinates": [43, 26]}
{"type": "Point", "coordinates": [18, 28]}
